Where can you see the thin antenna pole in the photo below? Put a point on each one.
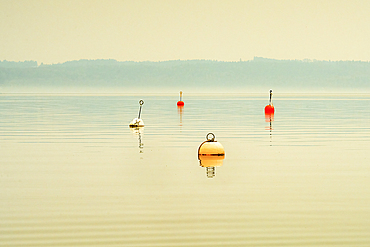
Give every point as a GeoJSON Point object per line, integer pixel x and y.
{"type": "Point", "coordinates": [141, 102]}
{"type": "Point", "coordinates": [270, 96]}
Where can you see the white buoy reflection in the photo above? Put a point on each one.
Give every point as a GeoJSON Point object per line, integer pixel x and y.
{"type": "Point", "coordinates": [139, 131]}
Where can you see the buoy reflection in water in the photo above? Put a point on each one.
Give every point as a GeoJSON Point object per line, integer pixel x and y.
{"type": "Point", "coordinates": [180, 110]}
{"type": "Point", "coordinates": [139, 131]}
{"type": "Point", "coordinates": [269, 118]}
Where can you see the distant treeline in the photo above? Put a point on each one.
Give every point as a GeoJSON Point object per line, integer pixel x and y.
{"type": "Point", "coordinates": [259, 72]}
{"type": "Point", "coordinates": [25, 64]}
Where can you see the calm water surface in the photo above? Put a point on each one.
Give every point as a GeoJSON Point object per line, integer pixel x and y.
{"type": "Point", "coordinates": [72, 173]}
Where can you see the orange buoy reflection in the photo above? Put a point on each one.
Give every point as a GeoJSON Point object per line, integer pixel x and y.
{"type": "Point", "coordinates": [210, 163]}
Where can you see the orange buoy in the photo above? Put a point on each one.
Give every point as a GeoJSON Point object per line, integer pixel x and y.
{"type": "Point", "coordinates": [180, 102]}
{"type": "Point", "coordinates": [211, 155]}
{"type": "Point", "coordinates": [269, 109]}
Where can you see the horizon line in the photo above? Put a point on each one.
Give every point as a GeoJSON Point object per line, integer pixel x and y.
{"type": "Point", "coordinates": [307, 60]}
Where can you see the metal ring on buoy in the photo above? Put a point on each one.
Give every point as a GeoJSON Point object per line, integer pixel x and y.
{"type": "Point", "coordinates": [211, 140]}
{"type": "Point", "coordinates": [141, 102]}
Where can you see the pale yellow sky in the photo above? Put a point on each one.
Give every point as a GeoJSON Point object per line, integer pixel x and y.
{"type": "Point", "coordinates": [52, 31]}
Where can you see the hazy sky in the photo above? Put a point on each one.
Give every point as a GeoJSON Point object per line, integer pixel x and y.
{"type": "Point", "coordinates": [52, 31]}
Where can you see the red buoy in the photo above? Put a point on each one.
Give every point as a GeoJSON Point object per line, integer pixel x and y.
{"type": "Point", "coordinates": [180, 102]}
{"type": "Point", "coordinates": [269, 109]}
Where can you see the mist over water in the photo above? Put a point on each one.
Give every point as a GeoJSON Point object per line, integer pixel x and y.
{"type": "Point", "coordinates": [193, 76]}
{"type": "Point", "coordinates": [74, 174]}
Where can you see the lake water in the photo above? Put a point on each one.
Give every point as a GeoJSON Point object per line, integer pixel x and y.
{"type": "Point", "coordinates": [72, 173]}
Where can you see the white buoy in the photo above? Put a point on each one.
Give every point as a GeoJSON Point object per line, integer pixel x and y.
{"type": "Point", "coordinates": [137, 122]}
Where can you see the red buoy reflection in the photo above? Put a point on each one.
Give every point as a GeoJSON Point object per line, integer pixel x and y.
{"type": "Point", "coordinates": [269, 118]}
{"type": "Point", "coordinates": [180, 110]}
